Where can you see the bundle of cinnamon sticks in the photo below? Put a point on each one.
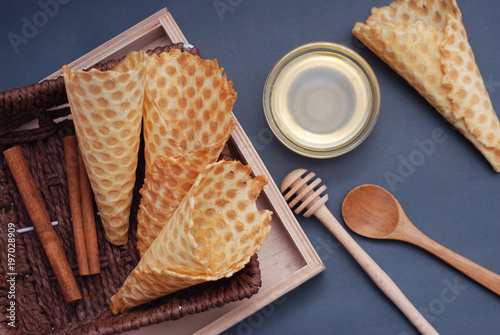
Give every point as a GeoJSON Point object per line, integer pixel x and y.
{"type": "Point", "coordinates": [82, 209]}
{"type": "Point", "coordinates": [41, 222]}
{"type": "Point", "coordinates": [82, 215]}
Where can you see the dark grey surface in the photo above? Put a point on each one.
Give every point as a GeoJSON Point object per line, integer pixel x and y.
{"type": "Point", "coordinates": [453, 196]}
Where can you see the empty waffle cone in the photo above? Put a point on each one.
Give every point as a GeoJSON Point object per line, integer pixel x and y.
{"type": "Point", "coordinates": [187, 121]}
{"type": "Point", "coordinates": [212, 234]}
{"type": "Point", "coordinates": [426, 43]}
{"type": "Point", "coordinates": [107, 113]}
{"type": "Point", "coordinates": [188, 105]}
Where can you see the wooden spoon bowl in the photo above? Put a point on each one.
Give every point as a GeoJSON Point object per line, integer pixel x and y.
{"type": "Point", "coordinates": [379, 215]}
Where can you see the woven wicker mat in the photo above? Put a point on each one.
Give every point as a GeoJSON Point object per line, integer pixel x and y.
{"type": "Point", "coordinates": [39, 305]}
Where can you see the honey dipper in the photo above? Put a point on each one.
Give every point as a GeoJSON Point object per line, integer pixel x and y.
{"type": "Point", "coordinates": [297, 184]}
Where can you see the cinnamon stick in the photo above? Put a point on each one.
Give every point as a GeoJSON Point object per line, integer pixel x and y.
{"type": "Point", "coordinates": [41, 221]}
{"type": "Point", "coordinates": [72, 173]}
{"type": "Point", "coordinates": [88, 220]}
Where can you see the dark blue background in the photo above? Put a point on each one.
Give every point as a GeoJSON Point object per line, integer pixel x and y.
{"type": "Point", "coordinates": [453, 196]}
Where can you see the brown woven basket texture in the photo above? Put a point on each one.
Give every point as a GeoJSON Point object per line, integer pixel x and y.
{"type": "Point", "coordinates": [39, 304]}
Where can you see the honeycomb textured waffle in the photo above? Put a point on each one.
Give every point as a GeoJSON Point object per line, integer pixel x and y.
{"type": "Point", "coordinates": [187, 121]}
{"type": "Point", "coordinates": [212, 234]}
{"type": "Point", "coordinates": [107, 112]}
{"type": "Point", "coordinates": [425, 42]}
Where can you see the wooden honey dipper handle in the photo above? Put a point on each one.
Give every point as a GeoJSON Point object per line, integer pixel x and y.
{"type": "Point", "coordinates": [315, 204]}
{"type": "Point", "coordinates": [41, 221]}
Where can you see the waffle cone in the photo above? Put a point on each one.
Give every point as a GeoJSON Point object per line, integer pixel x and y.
{"type": "Point", "coordinates": [187, 121]}
{"type": "Point", "coordinates": [107, 110]}
{"type": "Point", "coordinates": [212, 234]}
{"type": "Point", "coordinates": [426, 43]}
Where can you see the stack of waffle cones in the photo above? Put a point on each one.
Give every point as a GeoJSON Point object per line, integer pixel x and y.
{"type": "Point", "coordinates": [187, 121]}
{"type": "Point", "coordinates": [426, 43]}
{"type": "Point", "coordinates": [197, 219]}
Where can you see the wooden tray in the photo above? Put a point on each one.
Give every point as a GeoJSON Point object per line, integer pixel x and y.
{"type": "Point", "coordinates": [287, 259]}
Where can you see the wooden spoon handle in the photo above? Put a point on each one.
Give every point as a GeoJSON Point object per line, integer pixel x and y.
{"type": "Point", "coordinates": [475, 271]}
{"type": "Point", "coordinates": [381, 279]}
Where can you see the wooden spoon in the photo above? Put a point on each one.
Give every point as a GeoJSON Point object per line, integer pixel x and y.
{"type": "Point", "coordinates": [299, 191]}
{"type": "Point", "coordinates": [371, 211]}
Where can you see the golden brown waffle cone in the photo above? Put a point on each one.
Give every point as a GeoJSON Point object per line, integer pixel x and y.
{"type": "Point", "coordinates": [165, 185]}
{"type": "Point", "coordinates": [426, 43]}
{"type": "Point", "coordinates": [212, 234]}
{"type": "Point", "coordinates": [188, 105]}
{"type": "Point", "coordinates": [187, 121]}
{"type": "Point", "coordinates": [107, 112]}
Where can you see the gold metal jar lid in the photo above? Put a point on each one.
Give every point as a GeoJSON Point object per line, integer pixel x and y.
{"type": "Point", "coordinates": [321, 99]}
